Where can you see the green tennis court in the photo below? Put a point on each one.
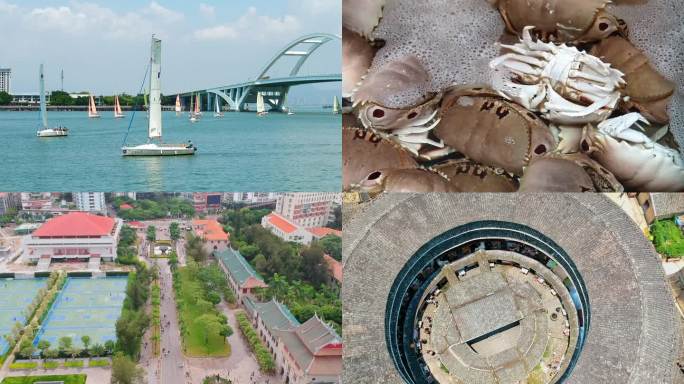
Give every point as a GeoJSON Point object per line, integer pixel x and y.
{"type": "Point", "coordinates": [85, 307]}
{"type": "Point", "coordinates": [16, 296]}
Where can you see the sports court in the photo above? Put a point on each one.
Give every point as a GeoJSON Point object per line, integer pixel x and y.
{"type": "Point", "coordinates": [16, 296]}
{"type": "Point", "coordinates": [85, 307]}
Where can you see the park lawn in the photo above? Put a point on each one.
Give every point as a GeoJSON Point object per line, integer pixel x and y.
{"type": "Point", "coordinates": [51, 364]}
{"type": "Point", "coordinates": [26, 365]}
{"type": "Point", "coordinates": [193, 337]}
{"type": "Point", "coordinates": [74, 364]}
{"type": "Point", "coordinates": [67, 379]}
{"type": "Point", "coordinates": [99, 363]}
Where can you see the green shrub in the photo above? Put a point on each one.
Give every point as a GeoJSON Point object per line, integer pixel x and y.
{"type": "Point", "coordinates": [99, 363]}
{"type": "Point", "coordinates": [74, 364]}
{"type": "Point", "coordinates": [51, 364]}
{"type": "Point", "coordinates": [262, 355]}
{"type": "Point", "coordinates": [23, 365]}
{"type": "Point", "coordinates": [668, 238]}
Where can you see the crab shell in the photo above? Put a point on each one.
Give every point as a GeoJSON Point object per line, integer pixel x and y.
{"type": "Point", "coordinates": [639, 167]}
{"type": "Point", "coordinates": [568, 137]}
{"type": "Point", "coordinates": [561, 20]}
{"type": "Point", "coordinates": [491, 130]}
{"type": "Point", "coordinates": [357, 57]}
{"type": "Point", "coordinates": [469, 176]}
{"type": "Point", "coordinates": [649, 92]}
{"type": "Point", "coordinates": [567, 173]}
{"type": "Point", "coordinates": [364, 152]}
{"type": "Point", "coordinates": [405, 180]}
{"type": "Point", "coordinates": [362, 16]}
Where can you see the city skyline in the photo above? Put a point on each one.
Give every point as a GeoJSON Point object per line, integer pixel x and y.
{"type": "Point", "coordinates": [116, 42]}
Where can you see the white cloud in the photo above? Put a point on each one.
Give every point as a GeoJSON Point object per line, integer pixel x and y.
{"type": "Point", "coordinates": [6, 7]}
{"type": "Point", "coordinates": [252, 26]}
{"type": "Point", "coordinates": [318, 7]}
{"type": "Point", "coordinates": [164, 14]}
{"type": "Point", "coordinates": [207, 11]}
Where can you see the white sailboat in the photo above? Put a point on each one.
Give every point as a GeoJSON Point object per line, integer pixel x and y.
{"type": "Point", "coordinates": [194, 107]}
{"type": "Point", "coordinates": [290, 112]}
{"type": "Point", "coordinates": [118, 114]}
{"type": "Point", "coordinates": [336, 106]}
{"type": "Point", "coordinates": [217, 112]}
{"type": "Point", "coordinates": [92, 109]}
{"type": "Point", "coordinates": [178, 106]}
{"type": "Point", "coordinates": [261, 107]}
{"type": "Point", "coordinates": [47, 132]}
{"type": "Point", "coordinates": [198, 112]}
{"type": "Point", "coordinates": [154, 125]}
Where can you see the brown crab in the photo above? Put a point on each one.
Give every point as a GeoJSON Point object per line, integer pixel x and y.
{"type": "Point", "coordinates": [567, 173]}
{"type": "Point", "coordinates": [362, 16]}
{"type": "Point", "coordinates": [405, 180]}
{"type": "Point", "coordinates": [491, 130]}
{"type": "Point", "coordinates": [470, 176]}
{"type": "Point", "coordinates": [364, 152]}
{"type": "Point", "coordinates": [561, 20]}
{"type": "Point", "coordinates": [357, 57]}
{"type": "Point", "coordinates": [648, 91]}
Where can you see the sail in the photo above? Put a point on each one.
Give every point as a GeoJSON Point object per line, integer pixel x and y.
{"type": "Point", "coordinates": [178, 104]}
{"type": "Point", "coordinates": [43, 108]}
{"type": "Point", "coordinates": [155, 121]}
{"type": "Point", "coordinates": [117, 106]}
{"type": "Point", "coordinates": [92, 109]}
{"type": "Point", "coordinates": [197, 105]}
{"type": "Point", "coordinates": [336, 105]}
{"type": "Point", "coordinates": [261, 108]}
{"type": "Point", "coordinates": [218, 109]}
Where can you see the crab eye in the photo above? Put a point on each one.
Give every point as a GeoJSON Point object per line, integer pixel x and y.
{"type": "Point", "coordinates": [378, 113]}
{"type": "Point", "coordinates": [540, 149]}
{"type": "Point", "coordinates": [374, 176]}
{"type": "Point", "coordinates": [585, 146]}
{"type": "Point", "coordinates": [412, 115]}
{"type": "Point", "coordinates": [603, 26]}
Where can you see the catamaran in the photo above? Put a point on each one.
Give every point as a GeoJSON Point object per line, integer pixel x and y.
{"type": "Point", "coordinates": [261, 107]}
{"type": "Point", "coordinates": [154, 124]}
{"type": "Point", "coordinates": [217, 113]}
{"type": "Point", "coordinates": [47, 132]}
{"type": "Point", "coordinates": [336, 106]}
{"type": "Point", "coordinates": [118, 114]}
{"type": "Point", "coordinates": [92, 110]}
{"type": "Point", "coordinates": [178, 106]}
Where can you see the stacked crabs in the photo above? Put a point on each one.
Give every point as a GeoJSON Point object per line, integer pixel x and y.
{"type": "Point", "coordinates": [572, 106]}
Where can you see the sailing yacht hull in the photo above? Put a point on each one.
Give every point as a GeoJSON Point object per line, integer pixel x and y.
{"type": "Point", "coordinates": [159, 150]}
{"type": "Point", "coordinates": [52, 133]}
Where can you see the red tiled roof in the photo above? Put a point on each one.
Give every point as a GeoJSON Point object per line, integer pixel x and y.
{"type": "Point", "coordinates": [281, 223]}
{"type": "Point", "coordinates": [251, 282]}
{"type": "Point", "coordinates": [335, 267]}
{"type": "Point", "coordinates": [324, 231]}
{"type": "Point", "coordinates": [136, 224]}
{"type": "Point", "coordinates": [125, 206]}
{"type": "Point", "coordinates": [76, 224]}
{"type": "Point", "coordinates": [210, 230]}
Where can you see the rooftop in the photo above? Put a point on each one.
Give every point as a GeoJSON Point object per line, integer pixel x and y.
{"type": "Point", "coordinates": [666, 205]}
{"type": "Point", "coordinates": [76, 224]}
{"type": "Point", "coordinates": [315, 346]}
{"type": "Point", "coordinates": [240, 269]}
{"type": "Point", "coordinates": [281, 223]}
{"type": "Point", "coordinates": [324, 231]}
{"type": "Point", "coordinates": [210, 230]}
{"type": "Point", "coordinates": [275, 315]}
{"type": "Point", "coordinates": [335, 267]}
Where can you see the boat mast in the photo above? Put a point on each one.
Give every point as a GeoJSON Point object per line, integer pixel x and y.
{"type": "Point", "coordinates": [155, 120]}
{"type": "Point", "coordinates": [43, 108]}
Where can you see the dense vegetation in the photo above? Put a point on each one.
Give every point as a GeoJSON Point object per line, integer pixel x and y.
{"type": "Point", "coordinates": [133, 321]}
{"type": "Point", "coordinates": [153, 209]}
{"type": "Point", "coordinates": [263, 357]}
{"type": "Point", "coordinates": [332, 245]}
{"type": "Point", "coordinates": [67, 379]}
{"type": "Point", "coordinates": [5, 98]}
{"type": "Point", "coordinates": [126, 250]}
{"type": "Point", "coordinates": [668, 238]}
{"type": "Point", "coordinates": [125, 371]}
{"type": "Point", "coordinates": [204, 329]}
{"type": "Point", "coordinates": [235, 220]}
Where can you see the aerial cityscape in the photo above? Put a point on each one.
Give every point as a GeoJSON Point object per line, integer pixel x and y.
{"type": "Point", "coordinates": [171, 287]}
{"type": "Point", "coordinates": [514, 288]}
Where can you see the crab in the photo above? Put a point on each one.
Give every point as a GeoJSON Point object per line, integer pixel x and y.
{"type": "Point", "coordinates": [566, 85]}
{"type": "Point", "coordinates": [490, 130]}
{"type": "Point", "coordinates": [575, 172]}
{"type": "Point", "coordinates": [470, 176]}
{"type": "Point", "coordinates": [357, 57]}
{"type": "Point", "coordinates": [561, 20]}
{"type": "Point", "coordinates": [405, 180]}
{"type": "Point", "coordinates": [410, 125]}
{"type": "Point", "coordinates": [647, 91]}
{"type": "Point", "coordinates": [362, 16]}
{"type": "Point", "coordinates": [639, 163]}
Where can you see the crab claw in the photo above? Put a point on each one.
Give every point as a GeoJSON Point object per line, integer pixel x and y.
{"type": "Point", "coordinates": [619, 127]}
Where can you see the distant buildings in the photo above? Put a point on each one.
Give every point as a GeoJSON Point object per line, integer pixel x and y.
{"type": "Point", "coordinates": [130, 195]}
{"type": "Point", "coordinates": [251, 197]}
{"type": "Point", "coordinates": [32, 201]}
{"type": "Point", "coordinates": [75, 236]}
{"type": "Point", "coordinates": [309, 209]}
{"type": "Point", "coordinates": [206, 201]}
{"type": "Point", "coordinates": [90, 201]}
{"type": "Point", "coordinates": [289, 231]}
{"type": "Point", "coordinates": [5, 80]}
{"type": "Point", "coordinates": [304, 353]}
{"type": "Point", "coordinates": [241, 276]}
{"type": "Point", "coordinates": [216, 240]}
{"type": "Point", "coordinates": [9, 201]}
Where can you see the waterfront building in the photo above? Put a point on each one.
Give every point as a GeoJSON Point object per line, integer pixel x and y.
{"type": "Point", "coordinates": [130, 195]}
{"type": "Point", "coordinates": [310, 209]}
{"type": "Point", "coordinates": [241, 276]}
{"type": "Point", "coordinates": [251, 197]}
{"type": "Point", "coordinates": [206, 201]}
{"type": "Point", "coordinates": [75, 236]}
{"type": "Point", "coordinates": [28, 98]}
{"type": "Point", "coordinates": [216, 239]}
{"type": "Point", "coordinates": [36, 201]}
{"type": "Point", "coordinates": [90, 201]}
{"type": "Point", "coordinates": [5, 80]}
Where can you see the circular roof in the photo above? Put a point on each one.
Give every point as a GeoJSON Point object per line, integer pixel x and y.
{"type": "Point", "coordinates": [634, 334]}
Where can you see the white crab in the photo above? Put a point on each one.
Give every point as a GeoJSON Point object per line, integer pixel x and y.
{"type": "Point", "coordinates": [566, 85]}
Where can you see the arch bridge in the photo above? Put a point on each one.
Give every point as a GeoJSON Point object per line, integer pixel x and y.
{"type": "Point", "coordinates": [274, 90]}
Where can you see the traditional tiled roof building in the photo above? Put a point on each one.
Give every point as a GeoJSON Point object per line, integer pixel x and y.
{"type": "Point", "coordinates": [241, 276]}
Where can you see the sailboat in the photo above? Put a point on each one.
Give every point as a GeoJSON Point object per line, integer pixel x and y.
{"type": "Point", "coordinates": [194, 117]}
{"type": "Point", "coordinates": [336, 106]}
{"type": "Point", "coordinates": [146, 107]}
{"type": "Point", "coordinates": [117, 108]}
{"type": "Point", "coordinates": [154, 124]}
{"type": "Point", "coordinates": [217, 112]}
{"type": "Point", "coordinates": [92, 110]}
{"type": "Point", "coordinates": [47, 132]}
{"type": "Point", "coordinates": [178, 105]}
{"type": "Point", "coordinates": [198, 112]}
{"type": "Point", "coordinates": [290, 112]}
{"type": "Point", "coordinates": [261, 107]}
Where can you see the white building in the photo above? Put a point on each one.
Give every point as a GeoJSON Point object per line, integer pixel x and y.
{"type": "Point", "coordinates": [5, 80]}
{"type": "Point", "coordinates": [130, 195]}
{"type": "Point", "coordinates": [308, 209]}
{"type": "Point", "coordinates": [36, 201]}
{"type": "Point", "coordinates": [90, 201]}
{"type": "Point", "coordinates": [251, 197]}
{"type": "Point", "coordinates": [75, 236]}
{"type": "Point", "coordinates": [286, 229]}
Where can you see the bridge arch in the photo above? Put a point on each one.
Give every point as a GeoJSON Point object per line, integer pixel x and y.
{"type": "Point", "coordinates": [314, 41]}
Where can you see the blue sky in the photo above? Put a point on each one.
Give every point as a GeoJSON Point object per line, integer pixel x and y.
{"type": "Point", "coordinates": [103, 46]}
